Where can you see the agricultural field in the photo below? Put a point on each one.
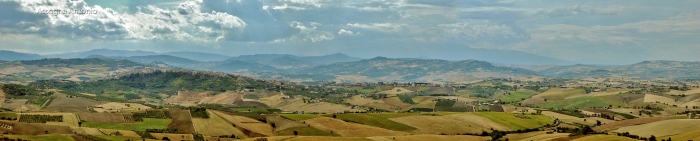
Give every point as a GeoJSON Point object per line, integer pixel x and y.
{"type": "Point", "coordinates": [584, 102]}
{"type": "Point", "coordinates": [691, 135]}
{"type": "Point", "coordinates": [604, 138]}
{"type": "Point", "coordinates": [87, 130]}
{"type": "Point", "coordinates": [148, 123]}
{"type": "Point", "coordinates": [245, 123]}
{"type": "Point", "coordinates": [449, 124]}
{"type": "Point", "coordinates": [662, 128]}
{"type": "Point", "coordinates": [283, 123]}
{"type": "Point", "coordinates": [553, 94]}
{"type": "Point", "coordinates": [321, 107]}
{"type": "Point", "coordinates": [304, 131]}
{"type": "Point", "coordinates": [372, 120]}
{"type": "Point", "coordinates": [174, 137]}
{"type": "Point", "coordinates": [514, 123]}
{"type": "Point", "coordinates": [45, 137]}
{"type": "Point", "coordinates": [182, 121]}
{"type": "Point", "coordinates": [347, 129]}
{"type": "Point", "coordinates": [216, 126]}
{"type": "Point", "coordinates": [123, 132]}
{"type": "Point", "coordinates": [118, 107]}
{"type": "Point", "coordinates": [104, 117]}
{"type": "Point", "coordinates": [571, 119]}
{"type": "Point", "coordinates": [624, 123]}
{"type": "Point", "coordinates": [71, 105]}
{"type": "Point", "coordinates": [298, 117]}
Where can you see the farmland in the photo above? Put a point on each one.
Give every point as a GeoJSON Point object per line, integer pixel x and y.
{"type": "Point", "coordinates": [449, 124]}
{"type": "Point", "coordinates": [148, 123]}
{"type": "Point", "coordinates": [376, 121]}
{"type": "Point", "coordinates": [345, 129]}
{"type": "Point", "coordinates": [514, 123]}
{"type": "Point", "coordinates": [298, 117]}
{"type": "Point", "coordinates": [216, 126]}
{"type": "Point", "coordinates": [662, 128]}
{"type": "Point", "coordinates": [304, 131]}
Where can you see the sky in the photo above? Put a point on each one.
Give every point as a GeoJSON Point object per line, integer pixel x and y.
{"type": "Point", "coordinates": [585, 31]}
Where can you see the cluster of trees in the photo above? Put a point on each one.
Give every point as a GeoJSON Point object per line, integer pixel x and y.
{"type": "Point", "coordinates": [684, 88]}
{"type": "Point", "coordinates": [40, 118]}
{"type": "Point", "coordinates": [407, 98]}
{"type": "Point", "coordinates": [133, 118]}
{"type": "Point", "coordinates": [198, 112]}
{"type": "Point", "coordinates": [651, 138]}
{"type": "Point", "coordinates": [21, 90]}
{"type": "Point", "coordinates": [166, 130]}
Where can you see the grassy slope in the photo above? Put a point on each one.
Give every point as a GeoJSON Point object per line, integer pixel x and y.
{"type": "Point", "coordinates": [376, 120]}
{"type": "Point", "coordinates": [515, 96]}
{"type": "Point", "coordinates": [515, 123]}
{"type": "Point", "coordinates": [148, 123]}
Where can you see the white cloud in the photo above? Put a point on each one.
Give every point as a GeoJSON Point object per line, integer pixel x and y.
{"type": "Point", "coordinates": [577, 10]}
{"type": "Point", "coordinates": [149, 23]}
{"type": "Point", "coordinates": [348, 32]}
{"type": "Point", "coordinates": [308, 33]}
{"type": "Point", "coordinates": [384, 27]}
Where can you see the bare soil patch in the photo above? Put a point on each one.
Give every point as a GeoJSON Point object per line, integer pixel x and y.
{"type": "Point", "coordinates": [182, 120]}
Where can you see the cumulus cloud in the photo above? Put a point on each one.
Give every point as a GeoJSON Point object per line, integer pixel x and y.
{"type": "Point", "coordinates": [149, 23]}
{"type": "Point", "coordinates": [348, 32]}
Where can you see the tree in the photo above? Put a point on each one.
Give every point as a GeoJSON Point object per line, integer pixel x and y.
{"type": "Point", "coordinates": [652, 138]}
{"type": "Point", "coordinates": [545, 100]}
{"type": "Point", "coordinates": [273, 125]}
{"type": "Point", "coordinates": [334, 116]}
{"type": "Point", "coordinates": [165, 139]}
{"type": "Point", "coordinates": [597, 122]}
{"type": "Point", "coordinates": [296, 133]}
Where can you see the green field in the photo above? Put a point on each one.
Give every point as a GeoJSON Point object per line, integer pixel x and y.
{"type": "Point", "coordinates": [514, 123]}
{"type": "Point", "coordinates": [583, 102]}
{"type": "Point", "coordinates": [298, 117]}
{"type": "Point", "coordinates": [8, 115]}
{"type": "Point", "coordinates": [45, 137]}
{"type": "Point", "coordinates": [304, 131]}
{"type": "Point", "coordinates": [376, 120]}
{"type": "Point", "coordinates": [515, 96]}
{"type": "Point", "coordinates": [148, 123]}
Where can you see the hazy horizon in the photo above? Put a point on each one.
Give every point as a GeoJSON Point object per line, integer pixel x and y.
{"type": "Point", "coordinates": [585, 32]}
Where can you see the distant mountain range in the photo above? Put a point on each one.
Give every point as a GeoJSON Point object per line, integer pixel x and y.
{"type": "Point", "coordinates": [336, 66]}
